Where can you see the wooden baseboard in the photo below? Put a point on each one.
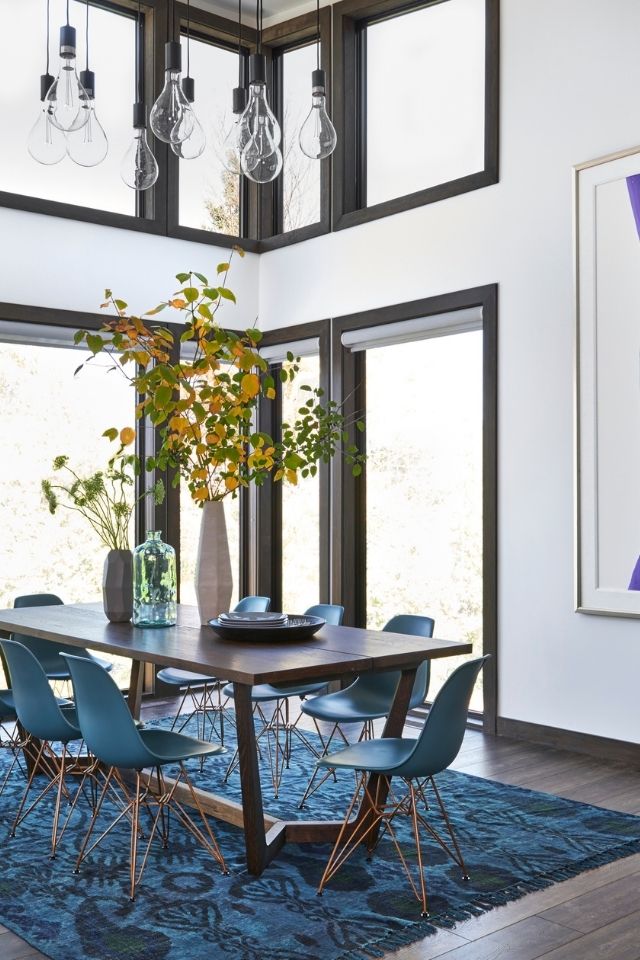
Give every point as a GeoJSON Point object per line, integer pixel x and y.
{"type": "Point", "coordinates": [620, 751]}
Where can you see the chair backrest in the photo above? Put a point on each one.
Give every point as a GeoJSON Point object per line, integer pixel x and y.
{"type": "Point", "coordinates": [331, 612]}
{"type": "Point", "coordinates": [415, 626]}
{"type": "Point", "coordinates": [441, 737]}
{"type": "Point", "coordinates": [46, 652]}
{"type": "Point", "coordinates": [382, 686]}
{"type": "Point", "coordinates": [35, 703]}
{"type": "Point", "coordinates": [253, 605]}
{"type": "Point", "coordinates": [104, 718]}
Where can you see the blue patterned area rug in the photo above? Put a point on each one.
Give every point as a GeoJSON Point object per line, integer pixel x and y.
{"type": "Point", "coordinates": [514, 841]}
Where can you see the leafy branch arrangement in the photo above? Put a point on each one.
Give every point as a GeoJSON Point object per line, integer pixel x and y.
{"type": "Point", "coordinates": [104, 498]}
{"type": "Point", "coordinates": [205, 406]}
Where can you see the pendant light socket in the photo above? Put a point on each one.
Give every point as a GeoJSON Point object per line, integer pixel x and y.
{"type": "Point", "coordinates": [173, 56]}
{"type": "Point", "coordinates": [45, 85]}
{"type": "Point", "coordinates": [318, 81]}
{"type": "Point", "coordinates": [239, 100]}
{"type": "Point", "coordinates": [257, 68]}
{"type": "Point", "coordinates": [67, 42]}
{"type": "Point", "coordinates": [189, 88]}
{"type": "Point", "coordinates": [88, 81]}
{"type": "Point", "coordinates": [139, 116]}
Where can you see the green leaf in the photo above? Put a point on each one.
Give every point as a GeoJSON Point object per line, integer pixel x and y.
{"type": "Point", "coordinates": [357, 470]}
{"type": "Point", "coordinates": [222, 268]}
{"type": "Point", "coordinates": [111, 433]}
{"type": "Point", "coordinates": [163, 396]}
{"type": "Point", "coordinates": [289, 356]}
{"type": "Point", "coordinates": [293, 461]}
{"type": "Point", "coordinates": [360, 425]}
{"type": "Point", "coordinates": [254, 335]}
{"type": "Point", "coordinates": [121, 304]}
{"type": "Point", "coordinates": [227, 294]}
{"type": "Point", "coordinates": [151, 313]}
{"type": "Point", "coordinates": [205, 312]}
{"type": "Point", "coordinates": [201, 278]}
{"type": "Point", "coordinates": [191, 294]}
{"type": "Point", "coordinates": [182, 277]}
{"type": "Point", "coordinates": [78, 336]}
{"type": "Point", "coordinates": [211, 292]}
{"type": "Point", "coordinates": [95, 343]}
{"type": "Point", "coordinates": [283, 376]}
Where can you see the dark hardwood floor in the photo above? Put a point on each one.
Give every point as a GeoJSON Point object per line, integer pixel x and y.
{"type": "Point", "coordinates": [595, 916]}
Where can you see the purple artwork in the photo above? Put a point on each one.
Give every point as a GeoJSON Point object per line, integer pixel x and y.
{"type": "Point", "coordinates": [633, 186]}
{"type": "Point", "coordinates": [634, 583]}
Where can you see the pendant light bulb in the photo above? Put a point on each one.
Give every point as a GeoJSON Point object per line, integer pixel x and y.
{"type": "Point", "coordinates": [172, 118]}
{"type": "Point", "coordinates": [88, 146]}
{"type": "Point", "coordinates": [317, 137]}
{"type": "Point", "coordinates": [258, 128]}
{"type": "Point", "coordinates": [193, 146]}
{"type": "Point", "coordinates": [46, 143]}
{"type": "Point", "coordinates": [66, 94]}
{"type": "Point", "coordinates": [261, 169]}
{"type": "Point", "coordinates": [139, 168]}
{"type": "Point", "coordinates": [237, 136]}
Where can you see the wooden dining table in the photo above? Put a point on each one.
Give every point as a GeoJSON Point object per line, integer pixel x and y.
{"type": "Point", "coordinates": [331, 653]}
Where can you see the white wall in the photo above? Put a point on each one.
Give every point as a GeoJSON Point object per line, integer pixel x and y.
{"type": "Point", "coordinates": [569, 92]}
{"type": "Point", "coordinates": [51, 262]}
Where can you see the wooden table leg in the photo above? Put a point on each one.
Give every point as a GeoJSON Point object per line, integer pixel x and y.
{"type": "Point", "coordinates": [134, 698]}
{"type": "Point", "coordinates": [252, 809]}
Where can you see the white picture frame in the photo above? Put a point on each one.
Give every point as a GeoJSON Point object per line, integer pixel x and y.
{"type": "Point", "coordinates": [607, 298]}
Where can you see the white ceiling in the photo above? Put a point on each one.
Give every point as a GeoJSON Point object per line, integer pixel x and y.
{"type": "Point", "coordinates": [274, 10]}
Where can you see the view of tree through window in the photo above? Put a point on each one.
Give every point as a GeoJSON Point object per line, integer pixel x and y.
{"type": "Point", "coordinates": [209, 194]}
{"type": "Point", "coordinates": [424, 489]}
{"type": "Point", "coordinates": [42, 553]}
{"type": "Point", "coordinates": [424, 98]}
{"type": "Point", "coordinates": [300, 510]}
{"type": "Point", "coordinates": [112, 60]}
{"type": "Point", "coordinates": [300, 175]}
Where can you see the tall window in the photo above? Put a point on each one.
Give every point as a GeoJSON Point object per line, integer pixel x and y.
{"type": "Point", "coordinates": [424, 488]}
{"type": "Point", "coordinates": [424, 98]}
{"type": "Point", "coordinates": [300, 508]}
{"type": "Point", "coordinates": [42, 553]}
{"type": "Point", "coordinates": [300, 175]}
{"type": "Point", "coordinates": [112, 38]}
{"type": "Point", "coordinates": [209, 193]}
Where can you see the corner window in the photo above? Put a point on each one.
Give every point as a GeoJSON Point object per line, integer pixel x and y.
{"type": "Point", "coordinates": [300, 188]}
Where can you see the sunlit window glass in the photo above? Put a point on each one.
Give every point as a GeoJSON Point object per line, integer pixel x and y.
{"type": "Point", "coordinates": [424, 98]}
{"type": "Point", "coordinates": [300, 175]}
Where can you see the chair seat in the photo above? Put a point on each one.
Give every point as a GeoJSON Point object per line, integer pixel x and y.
{"type": "Point", "coordinates": [56, 671]}
{"type": "Point", "coordinates": [170, 747]}
{"type": "Point", "coordinates": [262, 692]}
{"type": "Point", "coordinates": [380, 756]}
{"type": "Point", "coordinates": [345, 706]}
{"type": "Point", "coordinates": [183, 678]}
{"type": "Point", "coordinates": [8, 707]}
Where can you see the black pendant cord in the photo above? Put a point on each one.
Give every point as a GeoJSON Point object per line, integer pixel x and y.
{"type": "Point", "coordinates": [188, 38]}
{"type": "Point", "coordinates": [86, 38]}
{"type": "Point", "coordinates": [258, 26]}
{"type": "Point", "coordinates": [318, 33]}
{"type": "Point", "coordinates": [48, 33]}
{"type": "Point", "coordinates": [240, 78]}
{"type": "Point", "coordinates": [137, 56]}
{"type": "Point", "coordinates": [67, 12]}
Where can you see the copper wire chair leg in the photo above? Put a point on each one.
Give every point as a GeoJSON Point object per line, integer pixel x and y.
{"type": "Point", "coordinates": [56, 813]}
{"type": "Point", "coordinates": [83, 852]}
{"type": "Point", "coordinates": [452, 833]}
{"type": "Point", "coordinates": [133, 851]}
{"type": "Point", "coordinates": [211, 844]}
{"type": "Point", "coordinates": [416, 834]}
{"type": "Point", "coordinates": [18, 817]}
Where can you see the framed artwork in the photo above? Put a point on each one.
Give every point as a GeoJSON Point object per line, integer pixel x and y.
{"type": "Point", "coordinates": [607, 285]}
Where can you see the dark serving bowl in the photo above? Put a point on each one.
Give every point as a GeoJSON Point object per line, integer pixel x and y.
{"type": "Point", "coordinates": [298, 627]}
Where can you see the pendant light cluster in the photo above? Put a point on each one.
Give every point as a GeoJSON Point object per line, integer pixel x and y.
{"type": "Point", "coordinates": [68, 124]}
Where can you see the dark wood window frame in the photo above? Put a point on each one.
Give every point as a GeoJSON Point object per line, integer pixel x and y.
{"type": "Point", "coordinates": [348, 495]}
{"type": "Point", "coordinates": [350, 114]}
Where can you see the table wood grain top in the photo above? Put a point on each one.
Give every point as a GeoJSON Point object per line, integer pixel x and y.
{"type": "Point", "coordinates": [331, 652]}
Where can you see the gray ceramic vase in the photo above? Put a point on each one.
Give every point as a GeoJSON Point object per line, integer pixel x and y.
{"type": "Point", "coordinates": [117, 586]}
{"type": "Point", "coordinates": [213, 580]}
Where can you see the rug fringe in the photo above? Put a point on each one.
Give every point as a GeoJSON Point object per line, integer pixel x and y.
{"type": "Point", "coordinates": [421, 929]}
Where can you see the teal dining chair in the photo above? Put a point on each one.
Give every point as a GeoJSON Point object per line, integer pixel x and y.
{"type": "Point", "coordinates": [49, 721]}
{"type": "Point", "coordinates": [47, 653]}
{"type": "Point", "coordinates": [278, 729]}
{"type": "Point", "coordinates": [205, 691]}
{"type": "Point", "coordinates": [367, 699]}
{"type": "Point", "coordinates": [118, 744]}
{"type": "Point", "coordinates": [415, 762]}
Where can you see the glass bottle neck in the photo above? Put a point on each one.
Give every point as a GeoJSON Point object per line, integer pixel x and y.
{"type": "Point", "coordinates": [154, 535]}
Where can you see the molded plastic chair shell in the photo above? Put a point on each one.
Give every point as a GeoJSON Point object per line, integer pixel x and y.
{"type": "Point", "coordinates": [110, 730]}
{"type": "Point", "coordinates": [46, 652]}
{"type": "Point", "coordinates": [263, 692]}
{"type": "Point", "coordinates": [436, 747]}
{"type": "Point", "coordinates": [183, 678]}
{"type": "Point", "coordinates": [36, 705]}
{"type": "Point", "coordinates": [370, 696]}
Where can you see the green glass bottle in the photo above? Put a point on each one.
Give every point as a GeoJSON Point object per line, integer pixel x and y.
{"type": "Point", "coordinates": [154, 583]}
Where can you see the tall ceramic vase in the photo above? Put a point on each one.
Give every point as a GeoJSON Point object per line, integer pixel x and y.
{"type": "Point", "coordinates": [213, 580]}
{"type": "Point", "coordinates": [117, 586]}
